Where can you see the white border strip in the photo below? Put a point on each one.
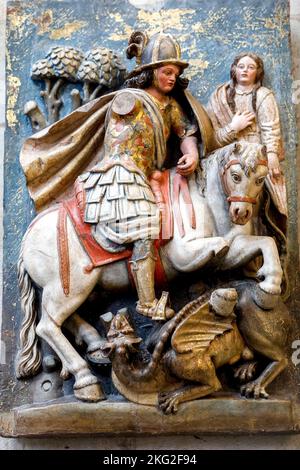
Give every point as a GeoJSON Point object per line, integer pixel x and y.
{"type": "Point", "coordinates": [2, 127]}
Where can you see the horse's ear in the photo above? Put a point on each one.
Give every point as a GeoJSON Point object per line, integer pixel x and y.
{"type": "Point", "coordinates": [237, 147]}
{"type": "Point", "coordinates": [264, 151]}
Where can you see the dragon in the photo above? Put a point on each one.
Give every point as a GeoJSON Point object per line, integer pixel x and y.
{"type": "Point", "coordinates": [189, 348]}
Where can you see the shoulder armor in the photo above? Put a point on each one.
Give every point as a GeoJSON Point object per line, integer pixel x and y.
{"type": "Point", "coordinates": [124, 103]}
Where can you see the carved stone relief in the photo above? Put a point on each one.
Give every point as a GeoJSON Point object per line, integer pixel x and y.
{"type": "Point", "coordinates": [152, 269]}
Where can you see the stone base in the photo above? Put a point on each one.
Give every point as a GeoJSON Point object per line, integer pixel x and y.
{"type": "Point", "coordinates": [231, 415]}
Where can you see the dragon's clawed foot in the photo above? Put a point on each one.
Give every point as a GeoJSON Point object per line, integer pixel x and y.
{"type": "Point", "coordinates": [245, 372]}
{"type": "Point", "coordinates": [254, 390]}
{"type": "Point", "coordinates": [168, 402]}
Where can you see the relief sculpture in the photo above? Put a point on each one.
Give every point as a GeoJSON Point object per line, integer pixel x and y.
{"type": "Point", "coordinates": [135, 189]}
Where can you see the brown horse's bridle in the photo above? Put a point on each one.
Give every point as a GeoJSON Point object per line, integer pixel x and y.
{"type": "Point", "coordinates": [250, 200]}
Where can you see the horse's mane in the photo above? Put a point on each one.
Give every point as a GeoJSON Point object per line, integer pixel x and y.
{"type": "Point", "coordinates": [247, 153]}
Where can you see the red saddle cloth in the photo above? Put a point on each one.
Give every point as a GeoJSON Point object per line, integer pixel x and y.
{"type": "Point", "coordinates": [96, 253]}
{"type": "Point", "coordinates": [74, 208]}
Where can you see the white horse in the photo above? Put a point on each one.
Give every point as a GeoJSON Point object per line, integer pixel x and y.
{"type": "Point", "coordinates": [224, 235]}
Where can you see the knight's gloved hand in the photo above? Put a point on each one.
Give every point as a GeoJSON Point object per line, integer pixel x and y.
{"type": "Point", "coordinates": [187, 164]}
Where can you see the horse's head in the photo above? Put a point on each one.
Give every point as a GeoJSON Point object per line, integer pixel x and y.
{"type": "Point", "coordinates": [243, 169]}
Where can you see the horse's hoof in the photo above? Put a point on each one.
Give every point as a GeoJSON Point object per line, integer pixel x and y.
{"type": "Point", "coordinates": [90, 393]}
{"type": "Point", "coordinates": [96, 357]}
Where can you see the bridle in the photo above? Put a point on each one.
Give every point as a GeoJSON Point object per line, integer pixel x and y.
{"type": "Point", "coordinates": [250, 200]}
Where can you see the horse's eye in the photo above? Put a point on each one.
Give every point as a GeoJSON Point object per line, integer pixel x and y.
{"type": "Point", "coordinates": [236, 177]}
{"type": "Point", "coordinates": [260, 180]}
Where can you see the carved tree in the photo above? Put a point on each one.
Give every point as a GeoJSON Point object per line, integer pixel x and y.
{"type": "Point", "coordinates": [60, 64]}
{"type": "Point", "coordinates": [100, 68]}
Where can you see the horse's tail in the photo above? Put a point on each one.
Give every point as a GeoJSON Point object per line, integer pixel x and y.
{"type": "Point", "coordinates": [29, 357]}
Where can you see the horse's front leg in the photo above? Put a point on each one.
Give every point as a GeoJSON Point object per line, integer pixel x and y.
{"type": "Point", "coordinates": [244, 248]}
{"type": "Point", "coordinates": [86, 385]}
{"type": "Point", "coordinates": [191, 255]}
{"type": "Point", "coordinates": [85, 333]}
{"type": "Point", "coordinates": [55, 310]}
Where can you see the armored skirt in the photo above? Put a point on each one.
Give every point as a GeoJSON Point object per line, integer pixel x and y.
{"type": "Point", "coordinates": [121, 203]}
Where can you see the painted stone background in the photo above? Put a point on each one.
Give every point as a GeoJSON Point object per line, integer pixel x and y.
{"type": "Point", "coordinates": [211, 33]}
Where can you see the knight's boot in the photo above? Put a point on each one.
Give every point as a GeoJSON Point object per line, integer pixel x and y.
{"type": "Point", "coordinates": [142, 268]}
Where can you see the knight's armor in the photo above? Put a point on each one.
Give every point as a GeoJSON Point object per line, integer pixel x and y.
{"type": "Point", "coordinates": [119, 199]}
{"type": "Point", "coordinates": [120, 204]}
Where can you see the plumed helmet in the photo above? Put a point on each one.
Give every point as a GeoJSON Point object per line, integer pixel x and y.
{"type": "Point", "coordinates": [150, 53]}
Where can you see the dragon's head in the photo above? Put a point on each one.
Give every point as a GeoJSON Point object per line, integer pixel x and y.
{"type": "Point", "coordinates": [121, 336]}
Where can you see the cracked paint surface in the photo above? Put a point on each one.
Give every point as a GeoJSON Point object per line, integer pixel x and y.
{"type": "Point", "coordinates": [13, 85]}
{"type": "Point", "coordinates": [67, 30]}
{"type": "Point", "coordinates": [209, 36]}
{"type": "Point", "coordinates": [43, 22]}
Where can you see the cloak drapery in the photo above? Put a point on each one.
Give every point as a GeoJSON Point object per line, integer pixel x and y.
{"type": "Point", "coordinates": [53, 158]}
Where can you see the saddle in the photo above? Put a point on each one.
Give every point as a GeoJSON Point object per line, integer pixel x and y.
{"type": "Point", "coordinates": [74, 209]}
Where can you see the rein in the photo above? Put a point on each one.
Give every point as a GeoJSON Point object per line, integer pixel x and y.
{"type": "Point", "coordinates": [250, 200]}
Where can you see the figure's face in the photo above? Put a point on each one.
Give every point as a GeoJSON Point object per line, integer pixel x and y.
{"type": "Point", "coordinates": [246, 71]}
{"type": "Point", "coordinates": [166, 77]}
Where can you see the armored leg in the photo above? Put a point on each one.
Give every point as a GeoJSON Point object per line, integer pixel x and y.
{"type": "Point", "coordinates": [142, 268]}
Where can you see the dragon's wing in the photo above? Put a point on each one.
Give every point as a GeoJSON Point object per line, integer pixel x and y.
{"type": "Point", "coordinates": [197, 331]}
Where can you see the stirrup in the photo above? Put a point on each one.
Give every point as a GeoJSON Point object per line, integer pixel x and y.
{"type": "Point", "coordinates": [158, 310]}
